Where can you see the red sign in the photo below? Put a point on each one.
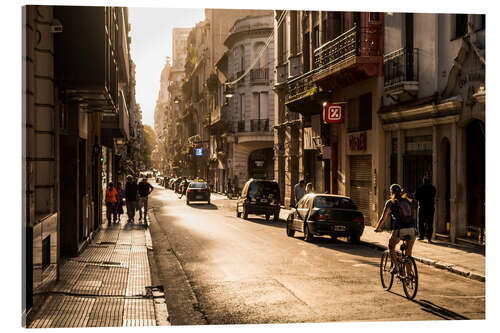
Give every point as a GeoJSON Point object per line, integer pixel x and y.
{"type": "Point", "coordinates": [358, 142]}
{"type": "Point", "coordinates": [333, 113]}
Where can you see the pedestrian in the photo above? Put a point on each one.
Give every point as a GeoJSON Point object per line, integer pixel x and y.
{"type": "Point", "coordinates": [131, 197]}
{"type": "Point", "coordinates": [144, 189]}
{"type": "Point", "coordinates": [299, 190]}
{"type": "Point", "coordinates": [185, 185]}
{"type": "Point", "coordinates": [309, 188]}
{"type": "Point", "coordinates": [111, 201]}
{"type": "Point", "coordinates": [121, 200]}
{"type": "Point", "coordinates": [425, 196]}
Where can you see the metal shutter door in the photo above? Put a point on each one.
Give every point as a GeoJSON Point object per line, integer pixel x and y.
{"type": "Point", "coordinates": [361, 183]}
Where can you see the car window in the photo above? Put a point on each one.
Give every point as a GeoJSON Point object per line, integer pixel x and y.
{"type": "Point", "coordinates": [264, 189]}
{"type": "Point", "coordinates": [197, 185]}
{"type": "Point", "coordinates": [333, 202]}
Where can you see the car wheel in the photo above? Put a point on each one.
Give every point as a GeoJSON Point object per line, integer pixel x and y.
{"type": "Point", "coordinates": [276, 218]}
{"type": "Point", "coordinates": [245, 213]}
{"type": "Point", "coordinates": [267, 217]}
{"type": "Point", "coordinates": [209, 202]}
{"type": "Point", "coordinates": [238, 214]}
{"type": "Point", "coordinates": [354, 238]}
{"type": "Point", "coordinates": [289, 231]}
{"type": "Point", "coordinates": [308, 237]}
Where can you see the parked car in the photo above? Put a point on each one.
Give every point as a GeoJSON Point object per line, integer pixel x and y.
{"type": "Point", "coordinates": [326, 214]}
{"type": "Point", "coordinates": [158, 179]}
{"type": "Point", "coordinates": [197, 191]}
{"type": "Point", "coordinates": [165, 181]}
{"type": "Point", "coordinates": [259, 197]}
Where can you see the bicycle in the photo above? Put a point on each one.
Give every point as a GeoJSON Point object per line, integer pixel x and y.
{"type": "Point", "coordinates": [406, 272]}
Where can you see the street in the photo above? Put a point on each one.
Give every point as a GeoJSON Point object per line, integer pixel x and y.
{"type": "Point", "coordinates": [220, 269]}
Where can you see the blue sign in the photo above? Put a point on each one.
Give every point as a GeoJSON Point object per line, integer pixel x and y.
{"type": "Point", "coordinates": [198, 152]}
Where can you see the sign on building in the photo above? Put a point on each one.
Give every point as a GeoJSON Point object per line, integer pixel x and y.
{"type": "Point", "coordinates": [333, 113]}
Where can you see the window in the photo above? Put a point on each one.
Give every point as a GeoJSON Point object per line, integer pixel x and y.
{"type": "Point", "coordinates": [460, 25]}
{"type": "Point", "coordinates": [305, 52]}
{"type": "Point", "coordinates": [374, 17]}
{"type": "Point", "coordinates": [241, 99]}
{"type": "Point", "coordinates": [359, 113]}
{"type": "Point", "coordinates": [315, 41]}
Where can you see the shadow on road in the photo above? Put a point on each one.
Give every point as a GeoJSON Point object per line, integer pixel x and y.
{"type": "Point", "coordinates": [203, 206]}
{"type": "Point", "coordinates": [439, 311]}
{"type": "Point", "coordinates": [262, 220]}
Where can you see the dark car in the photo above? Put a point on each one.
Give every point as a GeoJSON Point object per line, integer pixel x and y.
{"type": "Point", "coordinates": [259, 197]}
{"type": "Point", "coordinates": [197, 191]}
{"type": "Point", "coordinates": [326, 214]}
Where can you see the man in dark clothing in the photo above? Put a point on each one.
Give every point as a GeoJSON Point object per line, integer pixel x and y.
{"type": "Point", "coordinates": [144, 189]}
{"type": "Point", "coordinates": [425, 195]}
{"type": "Point", "coordinates": [184, 187]}
{"type": "Point", "coordinates": [131, 197]}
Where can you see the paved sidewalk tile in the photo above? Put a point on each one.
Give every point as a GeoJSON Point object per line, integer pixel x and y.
{"type": "Point", "coordinates": [105, 286]}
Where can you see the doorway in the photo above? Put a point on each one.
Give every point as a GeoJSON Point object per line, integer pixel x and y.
{"type": "Point", "coordinates": [475, 136]}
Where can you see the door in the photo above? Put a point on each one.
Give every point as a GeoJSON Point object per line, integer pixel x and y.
{"type": "Point", "coordinates": [361, 183]}
{"type": "Point", "coordinates": [475, 228]}
{"type": "Point", "coordinates": [415, 167]}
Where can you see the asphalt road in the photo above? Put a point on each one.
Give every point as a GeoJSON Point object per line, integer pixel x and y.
{"type": "Point", "coordinates": [220, 269]}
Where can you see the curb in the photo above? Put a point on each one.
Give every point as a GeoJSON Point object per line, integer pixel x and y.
{"type": "Point", "coordinates": [437, 264]}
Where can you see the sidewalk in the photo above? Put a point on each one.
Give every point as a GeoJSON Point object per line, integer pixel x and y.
{"type": "Point", "coordinates": [109, 284]}
{"type": "Point", "coordinates": [464, 260]}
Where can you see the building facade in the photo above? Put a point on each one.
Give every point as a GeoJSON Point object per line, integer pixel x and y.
{"type": "Point", "coordinates": [76, 127]}
{"type": "Point", "coordinates": [322, 58]}
{"type": "Point", "coordinates": [250, 116]}
{"type": "Point", "coordinates": [434, 114]}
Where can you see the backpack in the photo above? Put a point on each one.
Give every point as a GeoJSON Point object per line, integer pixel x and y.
{"type": "Point", "coordinates": [401, 215]}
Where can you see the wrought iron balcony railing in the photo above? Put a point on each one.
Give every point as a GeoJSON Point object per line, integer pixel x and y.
{"type": "Point", "coordinates": [400, 66]}
{"type": "Point", "coordinates": [302, 86]}
{"type": "Point", "coordinates": [240, 126]}
{"type": "Point", "coordinates": [355, 42]}
{"type": "Point", "coordinates": [259, 125]}
{"type": "Point", "coordinates": [259, 75]}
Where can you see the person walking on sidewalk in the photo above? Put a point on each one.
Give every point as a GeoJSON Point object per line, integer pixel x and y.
{"type": "Point", "coordinates": [184, 187]}
{"type": "Point", "coordinates": [121, 200]}
{"type": "Point", "coordinates": [299, 190]}
{"type": "Point", "coordinates": [144, 189]}
{"type": "Point", "coordinates": [402, 222]}
{"type": "Point", "coordinates": [131, 197]}
{"type": "Point", "coordinates": [111, 201]}
{"type": "Point", "coordinates": [425, 195]}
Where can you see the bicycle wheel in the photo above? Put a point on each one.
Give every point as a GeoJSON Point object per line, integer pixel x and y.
{"type": "Point", "coordinates": [410, 277]}
{"type": "Point", "coordinates": [386, 277]}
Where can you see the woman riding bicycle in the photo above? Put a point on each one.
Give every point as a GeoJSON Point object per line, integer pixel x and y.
{"type": "Point", "coordinates": [402, 222]}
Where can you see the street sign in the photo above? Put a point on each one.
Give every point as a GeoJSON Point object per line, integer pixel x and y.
{"type": "Point", "coordinates": [198, 152]}
{"type": "Point", "coordinates": [333, 113]}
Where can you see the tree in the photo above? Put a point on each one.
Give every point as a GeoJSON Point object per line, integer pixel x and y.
{"type": "Point", "coordinates": [149, 145]}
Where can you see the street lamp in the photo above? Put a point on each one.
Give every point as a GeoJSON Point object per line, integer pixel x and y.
{"type": "Point", "coordinates": [228, 90]}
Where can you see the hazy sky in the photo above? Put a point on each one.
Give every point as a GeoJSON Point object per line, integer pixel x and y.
{"type": "Point", "coordinates": [151, 32]}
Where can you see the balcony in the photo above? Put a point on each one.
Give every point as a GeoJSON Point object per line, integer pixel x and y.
{"type": "Point", "coordinates": [301, 87]}
{"type": "Point", "coordinates": [401, 73]}
{"type": "Point", "coordinates": [259, 125]}
{"type": "Point", "coordinates": [88, 71]}
{"type": "Point", "coordinates": [349, 58]}
{"type": "Point", "coordinates": [240, 126]}
{"type": "Point", "coordinates": [259, 75]}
